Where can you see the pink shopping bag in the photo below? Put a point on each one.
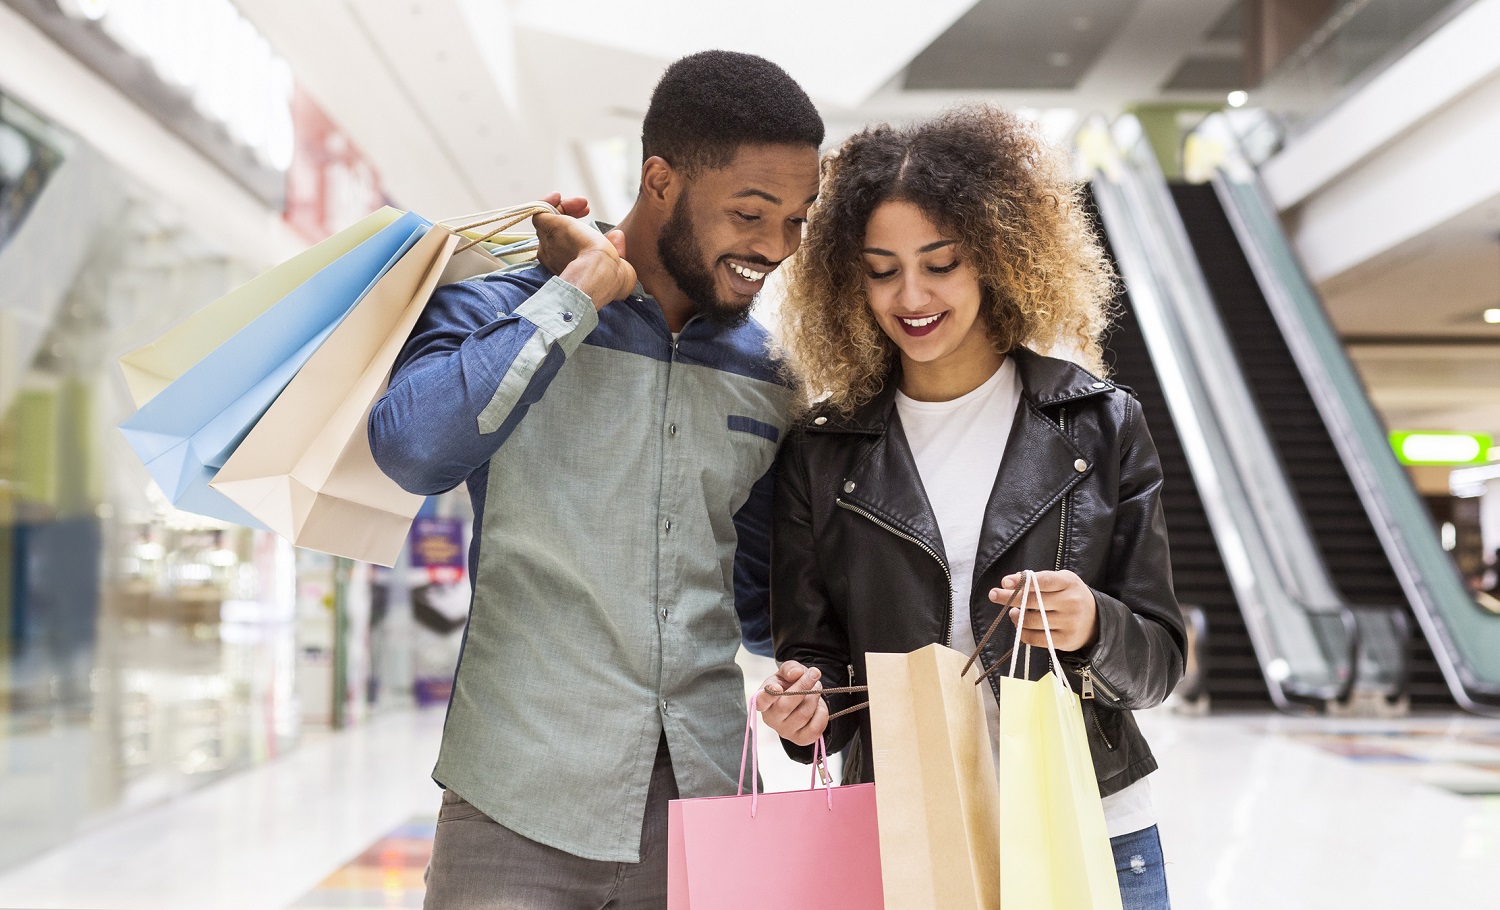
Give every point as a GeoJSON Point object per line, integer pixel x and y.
{"type": "Point", "coordinates": [766, 850]}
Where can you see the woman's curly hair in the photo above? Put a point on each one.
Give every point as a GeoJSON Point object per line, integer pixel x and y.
{"type": "Point", "coordinates": [987, 177]}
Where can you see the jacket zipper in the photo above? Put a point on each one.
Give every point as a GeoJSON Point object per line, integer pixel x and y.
{"type": "Point", "coordinates": [1086, 672]}
{"type": "Point", "coordinates": [1062, 527]}
{"type": "Point", "coordinates": [948, 622]}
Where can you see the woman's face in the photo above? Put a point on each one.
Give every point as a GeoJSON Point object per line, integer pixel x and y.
{"type": "Point", "coordinates": [923, 292]}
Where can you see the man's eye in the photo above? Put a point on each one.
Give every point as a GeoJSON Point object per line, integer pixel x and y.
{"type": "Point", "coordinates": [798, 221]}
{"type": "Point", "coordinates": [880, 275]}
{"type": "Point", "coordinates": [943, 269]}
{"type": "Point", "coordinates": [745, 217]}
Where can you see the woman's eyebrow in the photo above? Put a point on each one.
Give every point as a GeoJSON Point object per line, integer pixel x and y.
{"type": "Point", "coordinates": [935, 245]}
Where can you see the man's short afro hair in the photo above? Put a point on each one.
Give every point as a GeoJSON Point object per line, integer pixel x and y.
{"type": "Point", "coordinates": [709, 104]}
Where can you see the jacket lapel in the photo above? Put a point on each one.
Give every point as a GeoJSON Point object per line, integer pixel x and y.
{"type": "Point", "coordinates": [886, 482]}
{"type": "Point", "coordinates": [1039, 468]}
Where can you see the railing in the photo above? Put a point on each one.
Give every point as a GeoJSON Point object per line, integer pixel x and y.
{"type": "Point", "coordinates": [1304, 636]}
{"type": "Point", "coordinates": [1465, 638]}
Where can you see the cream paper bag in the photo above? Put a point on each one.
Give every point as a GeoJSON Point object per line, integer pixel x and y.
{"type": "Point", "coordinates": [306, 470]}
{"type": "Point", "coordinates": [936, 796]}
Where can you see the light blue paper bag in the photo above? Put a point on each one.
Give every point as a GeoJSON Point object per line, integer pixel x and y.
{"type": "Point", "coordinates": [187, 432]}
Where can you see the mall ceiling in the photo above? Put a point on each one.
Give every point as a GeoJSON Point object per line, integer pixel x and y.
{"type": "Point", "coordinates": [469, 104]}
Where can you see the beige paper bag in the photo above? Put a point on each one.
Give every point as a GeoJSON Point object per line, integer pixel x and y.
{"type": "Point", "coordinates": [936, 795]}
{"type": "Point", "coordinates": [306, 470]}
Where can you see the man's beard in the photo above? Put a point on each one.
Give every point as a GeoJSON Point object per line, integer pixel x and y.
{"type": "Point", "coordinates": [682, 257]}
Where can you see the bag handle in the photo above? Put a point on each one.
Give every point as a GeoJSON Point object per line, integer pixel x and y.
{"type": "Point", "coordinates": [1029, 585]}
{"type": "Point", "coordinates": [498, 220]}
{"type": "Point", "coordinates": [751, 749]}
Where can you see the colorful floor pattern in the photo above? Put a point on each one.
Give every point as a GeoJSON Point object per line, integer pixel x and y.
{"type": "Point", "coordinates": [387, 875]}
{"type": "Point", "coordinates": [1460, 756]}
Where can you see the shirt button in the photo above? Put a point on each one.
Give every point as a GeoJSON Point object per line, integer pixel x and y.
{"type": "Point", "coordinates": [663, 612]}
{"type": "Point", "coordinates": [669, 525]}
{"type": "Point", "coordinates": [1080, 466]}
{"type": "Point", "coordinates": [672, 429]}
{"type": "Point", "coordinates": [567, 317]}
{"type": "Point", "coordinates": [664, 706]}
{"type": "Point", "coordinates": [848, 486]}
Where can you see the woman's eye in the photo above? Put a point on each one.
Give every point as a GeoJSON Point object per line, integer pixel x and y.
{"type": "Point", "coordinates": [879, 275]}
{"type": "Point", "coordinates": [745, 217]}
{"type": "Point", "coordinates": [943, 269]}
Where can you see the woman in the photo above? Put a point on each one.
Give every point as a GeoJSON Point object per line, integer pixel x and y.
{"type": "Point", "coordinates": [947, 456]}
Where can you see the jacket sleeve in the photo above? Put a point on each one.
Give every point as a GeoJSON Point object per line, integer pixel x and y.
{"type": "Point", "coordinates": [482, 353]}
{"type": "Point", "coordinates": [752, 565]}
{"type": "Point", "coordinates": [1140, 652]}
{"type": "Point", "coordinates": [804, 624]}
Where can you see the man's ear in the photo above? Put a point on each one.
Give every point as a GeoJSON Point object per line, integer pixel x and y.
{"type": "Point", "coordinates": [659, 182]}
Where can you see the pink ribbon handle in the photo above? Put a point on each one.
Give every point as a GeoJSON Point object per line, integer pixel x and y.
{"type": "Point", "coordinates": [751, 748]}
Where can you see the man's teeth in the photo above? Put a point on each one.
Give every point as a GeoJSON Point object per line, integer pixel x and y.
{"type": "Point", "coordinates": [747, 274]}
{"type": "Point", "coordinates": [918, 323]}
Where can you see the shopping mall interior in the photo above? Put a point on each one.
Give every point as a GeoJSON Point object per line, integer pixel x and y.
{"type": "Point", "coordinates": [1301, 199]}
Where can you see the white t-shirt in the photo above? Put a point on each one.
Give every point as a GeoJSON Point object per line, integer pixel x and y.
{"type": "Point", "coordinates": [958, 446]}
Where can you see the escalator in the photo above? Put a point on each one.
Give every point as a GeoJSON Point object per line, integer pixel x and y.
{"type": "Point", "coordinates": [1340, 525]}
{"type": "Point", "coordinates": [1277, 628]}
{"type": "Point", "coordinates": [1294, 530]}
{"type": "Point", "coordinates": [1231, 676]}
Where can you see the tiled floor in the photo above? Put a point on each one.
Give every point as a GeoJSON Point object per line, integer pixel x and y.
{"type": "Point", "coordinates": [1255, 811]}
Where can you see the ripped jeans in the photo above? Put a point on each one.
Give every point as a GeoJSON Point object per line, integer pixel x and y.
{"type": "Point", "coordinates": [1141, 870]}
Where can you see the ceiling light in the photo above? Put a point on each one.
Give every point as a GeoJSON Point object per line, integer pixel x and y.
{"type": "Point", "coordinates": [1238, 99]}
{"type": "Point", "coordinates": [1492, 315]}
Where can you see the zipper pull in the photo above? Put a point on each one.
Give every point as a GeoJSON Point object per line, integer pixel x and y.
{"type": "Point", "coordinates": [851, 674]}
{"type": "Point", "coordinates": [1088, 683]}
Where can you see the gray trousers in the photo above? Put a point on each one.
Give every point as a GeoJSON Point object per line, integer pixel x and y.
{"type": "Point", "coordinates": [477, 864]}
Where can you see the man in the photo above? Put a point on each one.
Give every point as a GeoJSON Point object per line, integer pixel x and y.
{"type": "Point", "coordinates": [617, 441]}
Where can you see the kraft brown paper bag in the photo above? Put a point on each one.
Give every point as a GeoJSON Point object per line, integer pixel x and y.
{"type": "Point", "coordinates": [937, 800]}
{"type": "Point", "coordinates": [306, 470]}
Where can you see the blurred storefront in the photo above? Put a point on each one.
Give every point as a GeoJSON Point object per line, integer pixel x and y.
{"type": "Point", "coordinates": [145, 651]}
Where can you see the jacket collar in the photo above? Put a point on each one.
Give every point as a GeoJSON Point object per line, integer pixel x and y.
{"type": "Point", "coordinates": [1045, 382]}
{"type": "Point", "coordinates": [1041, 463]}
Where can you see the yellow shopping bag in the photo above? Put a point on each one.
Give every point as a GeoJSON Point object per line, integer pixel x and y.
{"type": "Point", "coordinates": [1054, 847]}
{"type": "Point", "coordinates": [306, 469]}
{"type": "Point", "coordinates": [152, 367]}
{"type": "Point", "coordinates": [936, 799]}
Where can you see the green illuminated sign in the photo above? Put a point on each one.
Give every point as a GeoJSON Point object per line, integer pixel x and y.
{"type": "Point", "coordinates": [1441, 448]}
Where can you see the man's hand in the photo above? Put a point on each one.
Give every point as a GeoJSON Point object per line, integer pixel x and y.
{"type": "Point", "coordinates": [580, 255]}
{"type": "Point", "coordinates": [798, 720]}
{"type": "Point", "coordinates": [1071, 611]}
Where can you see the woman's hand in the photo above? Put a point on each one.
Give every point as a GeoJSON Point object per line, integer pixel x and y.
{"type": "Point", "coordinates": [798, 720]}
{"type": "Point", "coordinates": [1071, 611]}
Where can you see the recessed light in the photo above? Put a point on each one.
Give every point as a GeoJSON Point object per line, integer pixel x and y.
{"type": "Point", "coordinates": [1492, 316]}
{"type": "Point", "coordinates": [1238, 99]}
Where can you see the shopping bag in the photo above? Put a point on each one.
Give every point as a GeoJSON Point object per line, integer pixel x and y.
{"type": "Point", "coordinates": [1054, 846]}
{"type": "Point", "coordinates": [814, 847]}
{"type": "Point", "coordinates": [306, 469]}
{"type": "Point", "coordinates": [152, 367]}
{"type": "Point", "coordinates": [937, 800]}
{"type": "Point", "coordinates": [187, 431]}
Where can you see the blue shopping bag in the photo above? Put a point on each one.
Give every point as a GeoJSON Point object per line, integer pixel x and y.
{"type": "Point", "coordinates": [187, 432]}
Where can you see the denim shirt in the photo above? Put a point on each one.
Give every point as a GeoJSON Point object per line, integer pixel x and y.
{"type": "Point", "coordinates": [622, 486]}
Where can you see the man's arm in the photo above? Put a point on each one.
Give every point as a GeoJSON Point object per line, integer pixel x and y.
{"type": "Point", "coordinates": [484, 351]}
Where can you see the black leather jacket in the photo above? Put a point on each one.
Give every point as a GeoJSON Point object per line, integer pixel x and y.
{"type": "Point", "coordinates": [857, 565]}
